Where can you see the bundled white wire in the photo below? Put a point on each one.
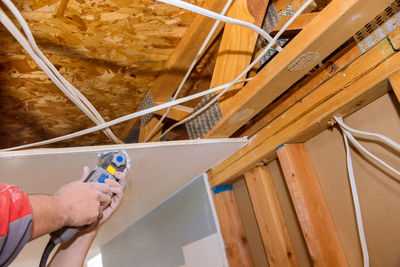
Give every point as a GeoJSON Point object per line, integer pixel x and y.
{"type": "Point", "coordinates": [349, 137]}
{"type": "Point", "coordinates": [33, 50]}
{"type": "Point", "coordinates": [346, 130]}
{"type": "Point", "coordinates": [269, 46]}
{"type": "Point", "coordinates": [216, 16]}
{"type": "Point", "coordinates": [124, 118]}
{"type": "Point", "coordinates": [191, 67]}
{"type": "Point", "coordinates": [356, 202]}
{"type": "Point", "coordinates": [339, 120]}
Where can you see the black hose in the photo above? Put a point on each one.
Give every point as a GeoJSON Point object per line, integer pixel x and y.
{"type": "Point", "coordinates": [46, 253]}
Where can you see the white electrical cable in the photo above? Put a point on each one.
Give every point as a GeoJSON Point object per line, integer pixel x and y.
{"type": "Point", "coordinates": [68, 89]}
{"type": "Point", "coordinates": [356, 202]}
{"type": "Point", "coordinates": [339, 120]}
{"type": "Point", "coordinates": [213, 15]}
{"type": "Point", "coordinates": [191, 67]}
{"type": "Point", "coordinates": [298, 12]}
{"type": "Point", "coordinates": [365, 151]}
{"type": "Point", "coordinates": [349, 137]}
{"type": "Point", "coordinates": [125, 118]}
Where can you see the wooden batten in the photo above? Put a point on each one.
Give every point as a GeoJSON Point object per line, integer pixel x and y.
{"type": "Point", "coordinates": [236, 245]}
{"type": "Point", "coordinates": [271, 223]}
{"type": "Point", "coordinates": [316, 223]}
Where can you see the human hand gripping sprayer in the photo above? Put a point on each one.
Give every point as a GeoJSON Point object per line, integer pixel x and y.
{"type": "Point", "coordinates": [110, 162]}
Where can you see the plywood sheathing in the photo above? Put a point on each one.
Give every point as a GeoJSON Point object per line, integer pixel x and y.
{"type": "Point", "coordinates": [110, 50]}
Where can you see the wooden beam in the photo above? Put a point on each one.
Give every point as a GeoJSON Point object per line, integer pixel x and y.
{"type": "Point", "coordinates": [337, 22]}
{"type": "Point", "coordinates": [296, 4]}
{"type": "Point", "coordinates": [237, 44]}
{"type": "Point", "coordinates": [236, 246]}
{"type": "Point", "coordinates": [316, 223]}
{"type": "Point", "coordinates": [144, 131]}
{"type": "Point", "coordinates": [281, 5]}
{"type": "Point", "coordinates": [395, 83]}
{"type": "Point", "coordinates": [176, 113]}
{"type": "Point", "coordinates": [336, 64]}
{"type": "Point", "coordinates": [345, 99]}
{"type": "Point", "coordinates": [297, 25]}
{"type": "Point", "coordinates": [178, 63]}
{"type": "Point", "coordinates": [274, 234]}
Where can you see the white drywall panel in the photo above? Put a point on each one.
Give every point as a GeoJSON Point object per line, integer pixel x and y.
{"type": "Point", "coordinates": [159, 170]}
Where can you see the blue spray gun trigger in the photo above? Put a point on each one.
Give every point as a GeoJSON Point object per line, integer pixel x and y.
{"type": "Point", "coordinates": [102, 178]}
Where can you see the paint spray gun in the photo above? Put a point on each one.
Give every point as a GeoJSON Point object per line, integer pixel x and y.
{"type": "Point", "coordinates": [110, 162]}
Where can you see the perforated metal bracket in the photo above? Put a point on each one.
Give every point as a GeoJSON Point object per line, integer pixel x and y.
{"type": "Point", "coordinates": [199, 126]}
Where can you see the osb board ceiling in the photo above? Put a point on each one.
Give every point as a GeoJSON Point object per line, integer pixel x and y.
{"type": "Point", "coordinates": [111, 50]}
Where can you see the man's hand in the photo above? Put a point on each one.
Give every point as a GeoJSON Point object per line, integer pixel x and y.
{"type": "Point", "coordinates": [116, 189]}
{"type": "Point", "coordinates": [74, 252]}
{"type": "Point", "coordinates": [83, 203]}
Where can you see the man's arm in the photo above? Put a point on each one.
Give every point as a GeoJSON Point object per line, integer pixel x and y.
{"type": "Point", "coordinates": [75, 204]}
{"type": "Point", "coordinates": [73, 253]}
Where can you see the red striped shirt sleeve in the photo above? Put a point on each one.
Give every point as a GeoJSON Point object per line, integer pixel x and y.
{"type": "Point", "coordinates": [15, 222]}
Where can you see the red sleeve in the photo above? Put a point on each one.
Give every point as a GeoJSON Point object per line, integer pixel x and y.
{"type": "Point", "coordinates": [15, 222]}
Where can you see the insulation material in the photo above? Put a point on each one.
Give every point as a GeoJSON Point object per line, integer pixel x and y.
{"type": "Point", "coordinates": [158, 171]}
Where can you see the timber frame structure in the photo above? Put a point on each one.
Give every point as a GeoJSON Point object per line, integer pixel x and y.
{"type": "Point", "coordinates": [323, 70]}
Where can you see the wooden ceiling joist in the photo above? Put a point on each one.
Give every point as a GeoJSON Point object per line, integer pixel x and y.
{"type": "Point", "coordinates": [336, 23]}
{"type": "Point", "coordinates": [334, 65]}
{"type": "Point", "coordinates": [237, 44]}
{"type": "Point", "coordinates": [310, 116]}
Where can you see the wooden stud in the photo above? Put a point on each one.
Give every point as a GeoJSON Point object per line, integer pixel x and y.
{"type": "Point", "coordinates": [236, 246]}
{"type": "Point", "coordinates": [344, 100]}
{"type": "Point", "coordinates": [335, 24]}
{"type": "Point", "coordinates": [316, 223]}
{"type": "Point", "coordinates": [271, 223]}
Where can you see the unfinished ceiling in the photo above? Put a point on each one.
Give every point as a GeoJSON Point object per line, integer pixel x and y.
{"type": "Point", "coordinates": [111, 50]}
